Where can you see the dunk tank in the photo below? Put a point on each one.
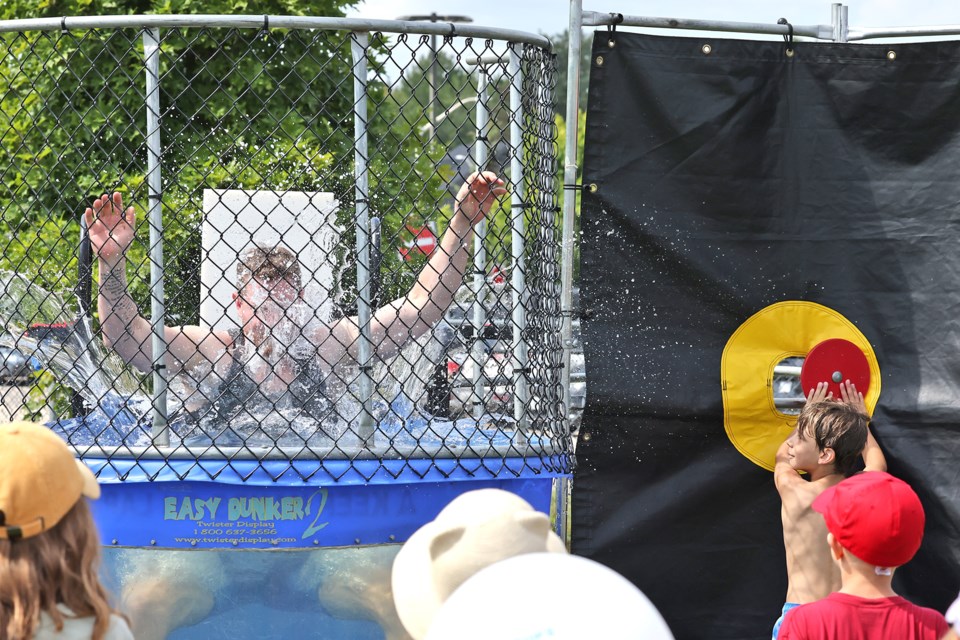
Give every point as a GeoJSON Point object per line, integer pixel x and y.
{"type": "Point", "coordinates": [276, 511]}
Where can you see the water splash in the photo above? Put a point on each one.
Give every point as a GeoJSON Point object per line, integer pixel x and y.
{"type": "Point", "coordinates": [41, 325]}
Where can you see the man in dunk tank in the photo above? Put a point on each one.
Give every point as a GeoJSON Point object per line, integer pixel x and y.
{"type": "Point", "coordinates": [165, 590]}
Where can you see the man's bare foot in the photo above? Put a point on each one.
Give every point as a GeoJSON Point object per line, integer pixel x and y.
{"type": "Point", "coordinates": [365, 594]}
{"type": "Point", "coordinates": [157, 606]}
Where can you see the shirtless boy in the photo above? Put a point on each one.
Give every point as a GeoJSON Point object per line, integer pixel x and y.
{"type": "Point", "coordinates": [830, 436]}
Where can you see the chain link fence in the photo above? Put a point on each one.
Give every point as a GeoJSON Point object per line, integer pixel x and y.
{"type": "Point", "coordinates": [288, 271]}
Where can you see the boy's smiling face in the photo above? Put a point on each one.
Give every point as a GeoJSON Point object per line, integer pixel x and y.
{"type": "Point", "coordinates": [803, 453]}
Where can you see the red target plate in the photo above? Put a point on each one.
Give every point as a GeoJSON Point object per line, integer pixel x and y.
{"type": "Point", "coordinates": [834, 361]}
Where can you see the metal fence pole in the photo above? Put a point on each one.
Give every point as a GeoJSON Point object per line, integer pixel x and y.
{"type": "Point", "coordinates": [151, 52]}
{"type": "Point", "coordinates": [551, 270]}
{"type": "Point", "coordinates": [570, 195]}
{"type": "Point", "coordinates": [518, 274]}
{"type": "Point", "coordinates": [84, 304]}
{"type": "Point", "coordinates": [358, 48]}
{"type": "Point", "coordinates": [479, 315]}
{"type": "Point", "coordinates": [838, 14]}
{"type": "Point", "coordinates": [432, 106]}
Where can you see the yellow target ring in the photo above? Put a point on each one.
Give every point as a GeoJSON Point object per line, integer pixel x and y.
{"type": "Point", "coordinates": [782, 330]}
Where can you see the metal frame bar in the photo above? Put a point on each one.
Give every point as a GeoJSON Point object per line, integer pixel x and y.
{"type": "Point", "coordinates": [589, 19]}
{"type": "Point", "coordinates": [479, 311]}
{"type": "Point", "coordinates": [518, 274]}
{"type": "Point", "coordinates": [358, 47]}
{"type": "Point", "coordinates": [439, 451]}
{"type": "Point", "coordinates": [570, 171]}
{"type": "Point", "coordinates": [151, 53]}
{"type": "Point", "coordinates": [838, 15]}
{"type": "Point", "coordinates": [278, 22]}
{"type": "Point", "coordinates": [595, 19]}
{"type": "Point", "coordinates": [838, 31]}
{"type": "Point", "coordinates": [869, 33]}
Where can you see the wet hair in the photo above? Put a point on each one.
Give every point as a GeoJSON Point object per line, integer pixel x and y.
{"type": "Point", "coordinates": [836, 425]}
{"type": "Point", "coordinates": [268, 264]}
{"type": "Point", "coordinates": [58, 566]}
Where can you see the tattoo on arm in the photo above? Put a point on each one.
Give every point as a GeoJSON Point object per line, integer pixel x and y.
{"type": "Point", "coordinates": [113, 288]}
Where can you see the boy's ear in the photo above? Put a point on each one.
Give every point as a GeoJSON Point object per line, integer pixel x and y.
{"type": "Point", "coordinates": [836, 549]}
{"type": "Point", "coordinates": [828, 456]}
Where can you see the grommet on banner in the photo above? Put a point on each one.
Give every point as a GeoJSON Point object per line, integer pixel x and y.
{"type": "Point", "coordinates": [706, 49]}
{"type": "Point", "coordinates": [891, 55]}
{"type": "Point", "coordinates": [788, 37]}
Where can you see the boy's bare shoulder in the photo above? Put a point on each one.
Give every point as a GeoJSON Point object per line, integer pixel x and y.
{"type": "Point", "coordinates": [800, 494]}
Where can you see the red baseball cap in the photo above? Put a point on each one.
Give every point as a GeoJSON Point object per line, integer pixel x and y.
{"type": "Point", "coordinates": [876, 517]}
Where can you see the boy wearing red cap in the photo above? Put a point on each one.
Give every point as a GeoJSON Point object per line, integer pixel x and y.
{"type": "Point", "coordinates": [875, 524]}
{"type": "Point", "coordinates": [830, 438]}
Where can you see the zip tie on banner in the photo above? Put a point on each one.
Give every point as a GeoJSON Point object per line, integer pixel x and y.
{"type": "Point", "coordinates": [788, 37]}
{"type": "Point", "coordinates": [617, 19]}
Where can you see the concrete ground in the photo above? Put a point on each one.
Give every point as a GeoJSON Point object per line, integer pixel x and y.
{"type": "Point", "coordinates": [13, 404]}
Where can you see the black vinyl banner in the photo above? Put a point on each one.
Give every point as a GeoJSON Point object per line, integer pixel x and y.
{"type": "Point", "coordinates": [722, 177]}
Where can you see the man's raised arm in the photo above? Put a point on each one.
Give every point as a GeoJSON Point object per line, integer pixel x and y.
{"type": "Point", "coordinates": [412, 315]}
{"type": "Point", "coordinates": [111, 229]}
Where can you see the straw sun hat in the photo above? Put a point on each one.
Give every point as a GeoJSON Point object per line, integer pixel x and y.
{"type": "Point", "coordinates": [524, 599]}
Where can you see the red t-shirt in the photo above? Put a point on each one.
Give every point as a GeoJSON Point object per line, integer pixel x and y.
{"type": "Point", "coordinates": [840, 616]}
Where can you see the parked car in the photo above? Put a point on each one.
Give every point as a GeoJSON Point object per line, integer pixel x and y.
{"type": "Point", "coordinates": [15, 368]}
{"type": "Point", "coordinates": [451, 390]}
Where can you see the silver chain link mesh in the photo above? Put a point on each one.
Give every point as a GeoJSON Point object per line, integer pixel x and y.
{"type": "Point", "coordinates": [259, 147]}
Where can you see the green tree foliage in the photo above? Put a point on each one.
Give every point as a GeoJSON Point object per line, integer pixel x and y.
{"type": "Point", "coordinates": [238, 109]}
{"type": "Point", "coordinates": [456, 122]}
